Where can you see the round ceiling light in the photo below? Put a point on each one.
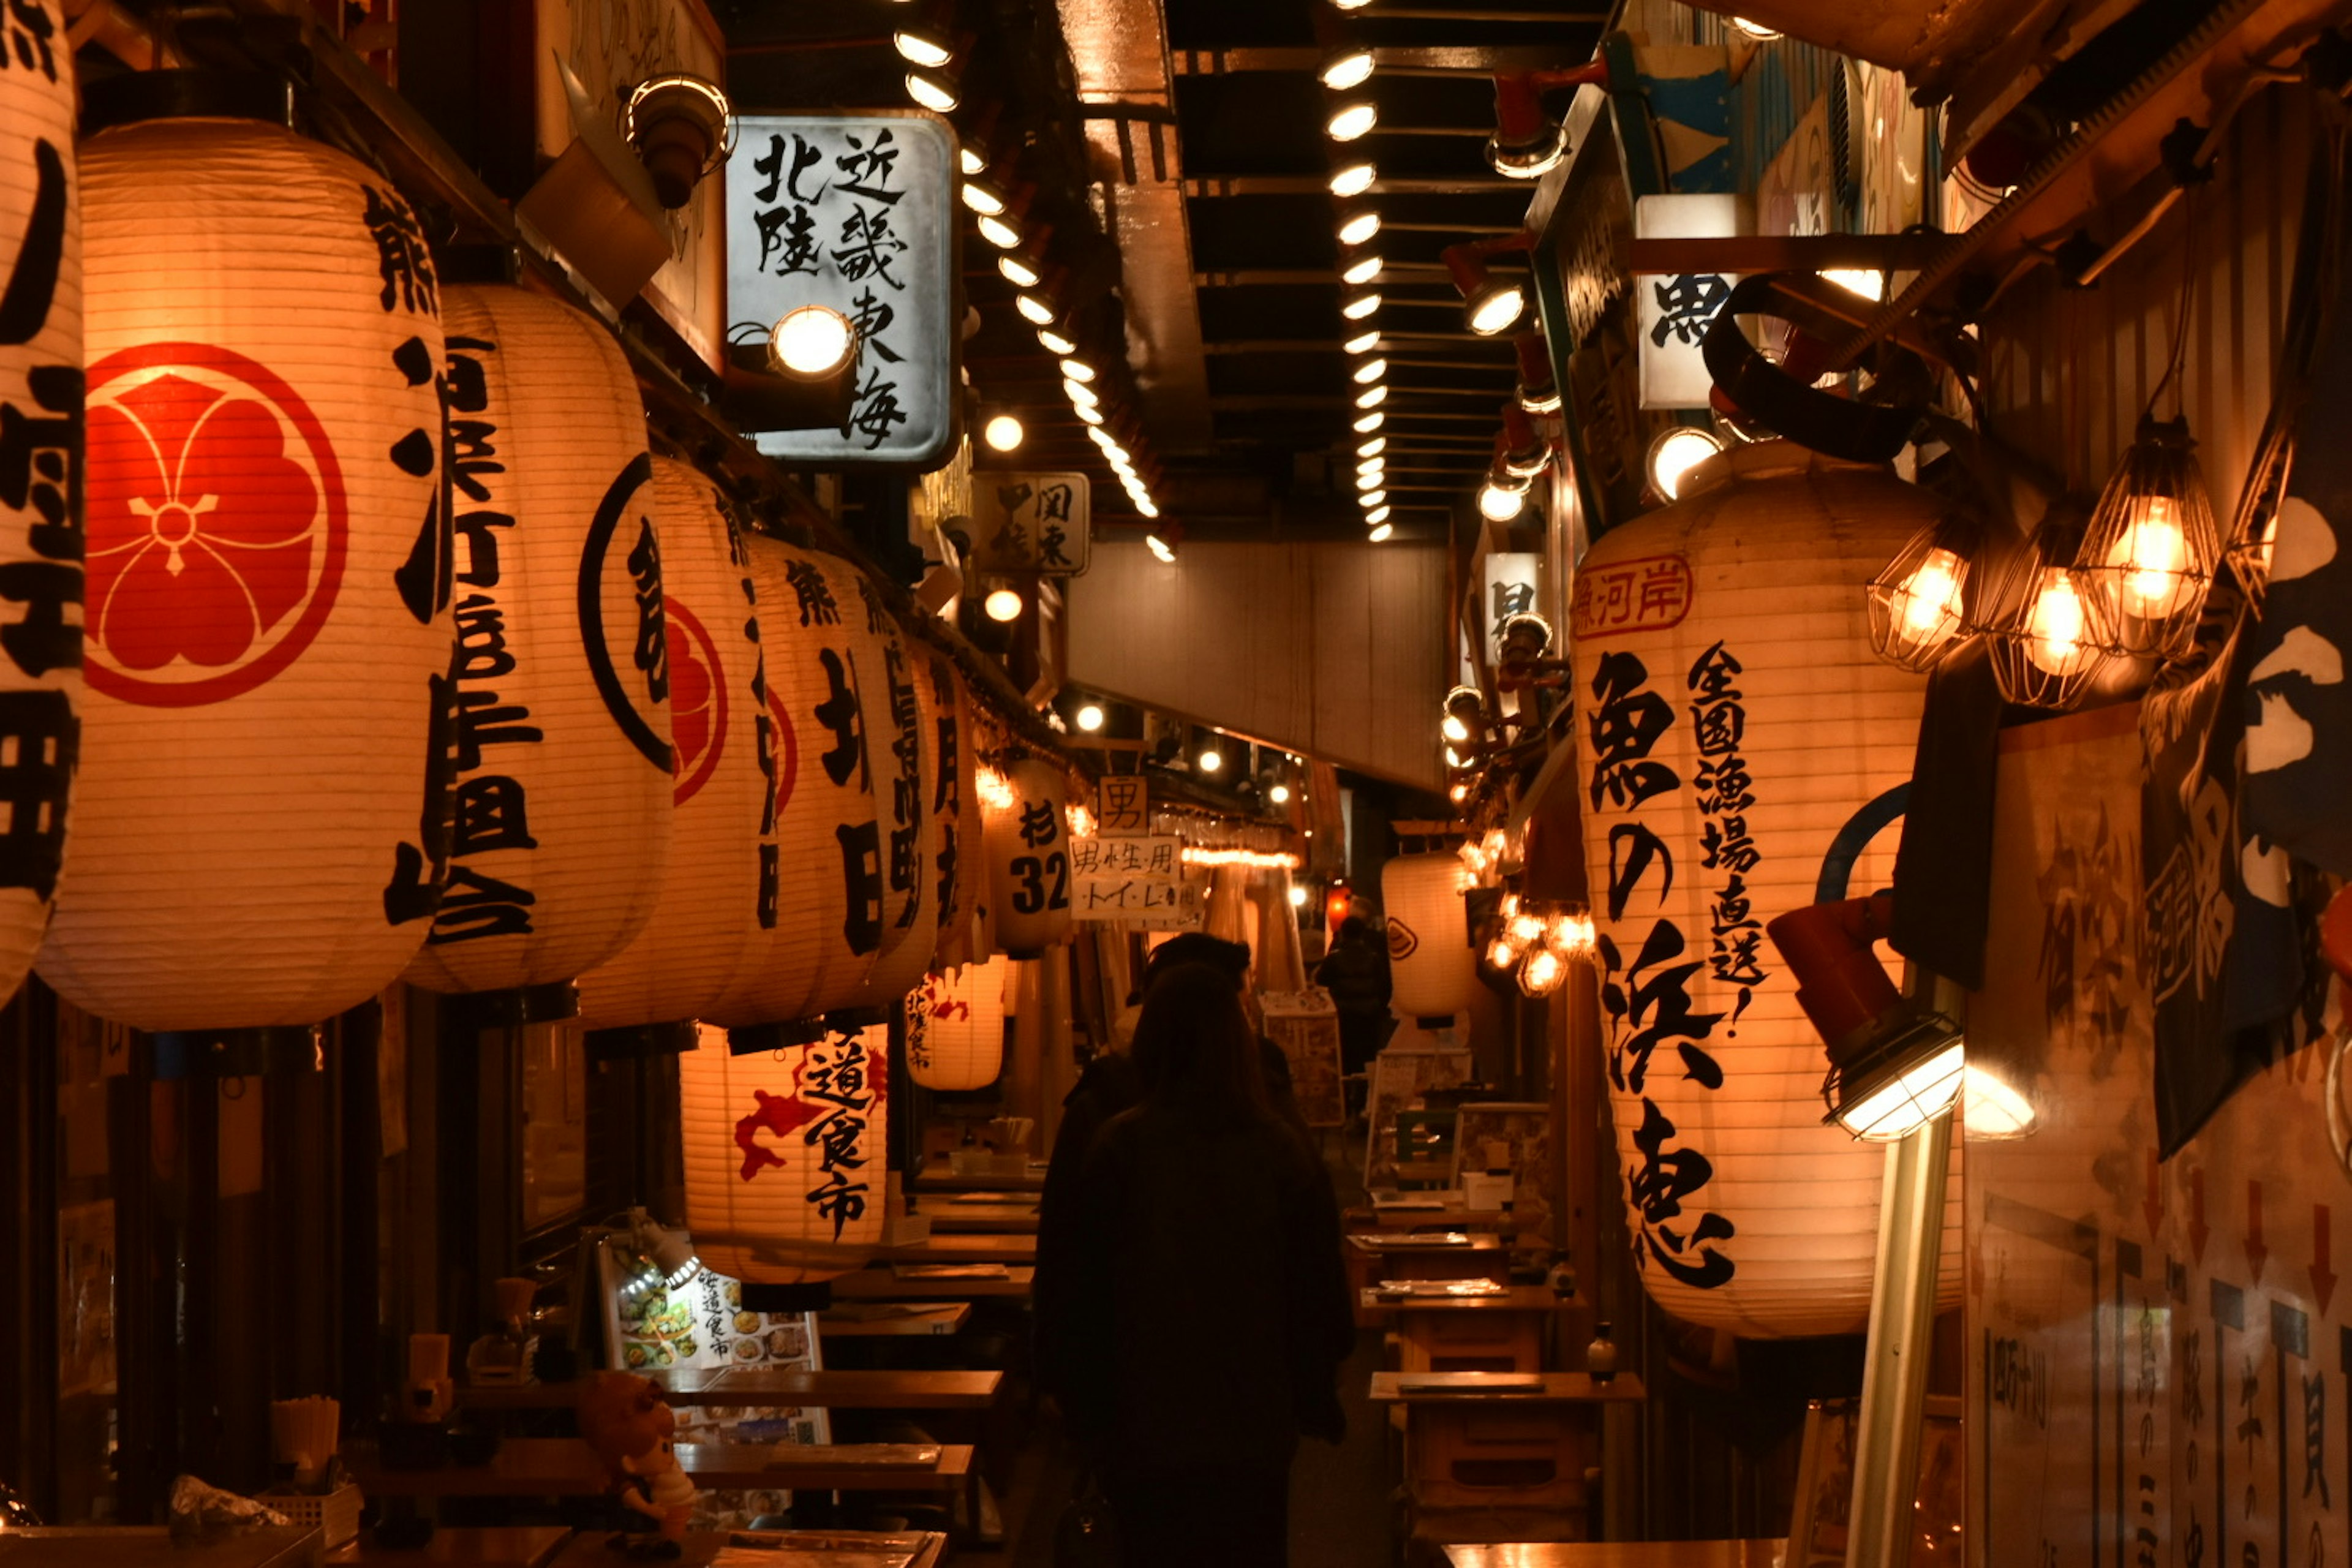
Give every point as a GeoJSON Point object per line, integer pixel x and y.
{"type": "Point", "coordinates": [812, 340]}
{"type": "Point", "coordinates": [1002, 434]}
{"type": "Point", "coordinates": [1002, 604]}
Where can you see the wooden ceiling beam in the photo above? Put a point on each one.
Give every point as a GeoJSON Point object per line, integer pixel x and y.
{"type": "Point", "coordinates": [1318, 186]}
{"type": "Point", "coordinates": [1429, 62]}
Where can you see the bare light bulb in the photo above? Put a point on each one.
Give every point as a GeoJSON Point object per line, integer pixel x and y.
{"type": "Point", "coordinates": [1372, 501]}
{"type": "Point", "coordinates": [932, 92]}
{"type": "Point", "coordinates": [1297, 894]}
{"type": "Point", "coordinates": [1377, 516]}
{"type": "Point", "coordinates": [1034, 309]}
{"type": "Point", "coordinates": [1453, 729]}
{"type": "Point", "coordinates": [1370, 371]}
{"type": "Point", "coordinates": [1002, 604]}
{"type": "Point", "coordinates": [1931, 596]}
{"type": "Point", "coordinates": [1365, 424]}
{"type": "Point", "coordinates": [1090, 717]}
{"type": "Point", "coordinates": [2155, 553]}
{"type": "Point", "coordinates": [1005, 235]}
{"type": "Point", "coordinates": [2053, 631]}
{"type": "Point", "coordinates": [1373, 448]}
{"type": "Point", "coordinates": [1053, 342]}
{"type": "Point", "coordinates": [1017, 271]}
{"type": "Point", "coordinates": [1362, 271]}
{"type": "Point", "coordinates": [1353, 68]}
{"type": "Point", "coordinates": [1077, 370]}
{"type": "Point", "coordinates": [1362, 343]}
{"type": "Point", "coordinates": [1380, 532]}
{"type": "Point", "coordinates": [1359, 306]}
{"type": "Point", "coordinates": [1002, 434]}
{"type": "Point", "coordinates": [1211, 759]}
{"type": "Point", "coordinates": [1280, 795]}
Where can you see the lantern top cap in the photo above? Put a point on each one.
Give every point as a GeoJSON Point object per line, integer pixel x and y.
{"type": "Point", "coordinates": [137, 96]}
{"type": "Point", "coordinates": [1771, 458]}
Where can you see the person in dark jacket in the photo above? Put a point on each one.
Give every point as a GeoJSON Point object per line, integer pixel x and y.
{"type": "Point", "coordinates": [1356, 973]}
{"type": "Point", "coordinates": [1113, 1082]}
{"type": "Point", "coordinates": [1208, 1307]}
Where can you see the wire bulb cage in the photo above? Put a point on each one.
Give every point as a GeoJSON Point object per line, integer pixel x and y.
{"type": "Point", "coordinates": [2255, 528]}
{"type": "Point", "coordinates": [2151, 549]}
{"type": "Point", "coordinates": [1918, 603]}
{"type": "Point", "coordinates": [2044, 627]}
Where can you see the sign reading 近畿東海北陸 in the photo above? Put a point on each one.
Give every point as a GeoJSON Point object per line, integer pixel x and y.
{"type": "Point", "coordinates": [857, 212]}
{"type": "Point", "coordinates": [1030, 523]}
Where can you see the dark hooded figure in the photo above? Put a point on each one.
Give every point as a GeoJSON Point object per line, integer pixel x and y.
{"type": "Point", "coordinates": [1203, 1313]}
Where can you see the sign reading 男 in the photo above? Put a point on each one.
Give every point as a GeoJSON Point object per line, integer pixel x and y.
{"type": "Point", "coordinates": [857, 212]}
{"type": "Point", "coordinates": [1123, 806]}
{"type": "Point", "coordinates": [1030, 523]}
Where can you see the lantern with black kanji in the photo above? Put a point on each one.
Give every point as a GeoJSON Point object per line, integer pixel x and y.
{"type": "Point", "coordinates": [905, 779]}
{"type": "Point", "coordinates": [1743, 753]}
{"type": "Point", "coordinates": [1029, 861]}
{"type": "Point", "coordinates": [783, 1154]}
{"type": "Point", "coordinates": [957, 859]}
{"type": "Point", "coordinates": [564, 777]}
{"type": "Point", "coordinates": [1432, 968]}
{"type": "Point", "coordinates": [261, 829]}
{"type": "Point", "coordinates": [821, 927]}
{"type": "Point", "coordinates": [955, 1027]}
{"type": "Point", "coordinates": [707, 930]}
{"type": "Point", "coordinates": [40, 528]}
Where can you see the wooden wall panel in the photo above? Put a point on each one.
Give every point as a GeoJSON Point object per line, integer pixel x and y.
{"type": "Point", "coordinates": [1335, 650]}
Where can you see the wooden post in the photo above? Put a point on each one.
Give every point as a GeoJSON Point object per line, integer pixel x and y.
{"type": "Point", "coordinates": [1024, 1080]}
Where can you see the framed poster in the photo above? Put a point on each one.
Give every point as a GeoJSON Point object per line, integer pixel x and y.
{"type": "Point", "coordinates": [1409, 1068]}
{"type": "Point", "coordinates": [612, 46]}
{"type": "Point", "coordinates": [1306, 1026]}
{"type": "Point", "coordinates": [1525, 1128]}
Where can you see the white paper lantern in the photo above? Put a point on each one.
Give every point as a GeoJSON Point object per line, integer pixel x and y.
{"type": "Point", "coordinates": [710, 926]}
{"type": "Point", "coordinates": [262, 822]}
{"type": "Point", "coordinates": [1432, 970]}
{"type": "Point", "coordinates": [1735, 724]}
{"type": "Point", "coordinates": [825, 689]}
{"type": "Point", "coordinates": [958, 857]}
{"type": "Point", "coordinates": [785, 1155]}
{"type": "Point", "coordinates": [563, 791]}
{"type": "Point", "coordinates": [40, 523]}
{"type": "Point", "coordinates": [955, 1027]}
{"type": "Point", "coordinates": [1029, 861]}
{"type": "Point", "coordinates": [906, 778]}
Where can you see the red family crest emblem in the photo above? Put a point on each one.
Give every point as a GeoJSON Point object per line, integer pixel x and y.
{"type": "Point", "coordinates": [698, 699]}
{"type": "Point", "coordinates": [217, 525]}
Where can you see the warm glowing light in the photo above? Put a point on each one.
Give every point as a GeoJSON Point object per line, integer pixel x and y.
{"type": "Point", "coordinates": [1931, 596]}
{"type": "Point", "coordinates": [981, 198]}
{"type": "Point", "coordinates": [1145, 505]}
{"type": "Point", "coordinates": [1359, 227]}
{"type": "Point", "coordinates": [1370, 371]}
{"type": "Point", "coordinates": [1256, 860]}
{"type": "Point", "coordinates": [1371, 398]}
{"type": "Point", "coordinates": [1365, 424]}
{"type": "Point", "coordinates": [1756, 30]}
{"type": "Point", "coordinates": [1016, 270]}
{"type": "Point", "coordinates": [1378, 517]}
{"type": "Point", "coordinates": [932, 92]}
{"type": "Point", "coordinates": [1034, 309]}
{"type": "Point", "coordinates": [1526, 930]}
{"type": "Point", "coordinates": [1082, 823]}
{"type": "Point", "coordinates": [1002, 604]}
{"type": "Point", "coordinates": [1354, 180]}
{"type": "Point", "coordinates": [1090, 717]}
{"type": "Point", "coordinates": [1161, 548]}
{"type": "Point", "coordinates": [1053, 342]}
{"type": "Point", "coordinates": [1499, 503]}
{"type": "Point", "coordinates": [1909, 1102]}
{"type": "Point", "coordinates": [1544, 972]}
{"type": "Point", "coordinates": [2154, 550]}
{"type": "Point", "coordinates": [1675, 453]}
{"type": "Point", "coordinates": [1362, 343]}
{"type": "Point", "coordinates": [1077, 370]}
{"type": "Point", "coordinates": [1991, 1107]}
{"type": "Point", "coordinates": [1372, 501]}
{"type": "Point", "coordinates": [1280, 795]}
{"type": "Point", "coordinates": [1373, 448]}
{"type": "Point", "coordinates": [1500, 954]}
{"type": "Point", "coordinates": [1351, 121]}
{"type": "Point", "coordinates": [1353, 68]}
{"type": "Point", "coordinates": [2053, 631]}
{"type": "Point", "coordinates": [1297, 895]}
{"type": "Point", "coordinates": [1498, 309]}
{"type": "Point", "coordinates": [1860, 280]}
{"type": "Point", "coordinates": [1359, 306]}
{"type": "Point", "coordinates": [1458, 794]}
{"type": "Point", "coordinates": [995, 791]}
{"type": "Point", "coordinates": [1362, 271]}
{"type": "Point", "coordinates": [1002, 434]}
{"type": "Point", "coordinates": [1571, 936]}
{"type": "Point", "coordinates": [920, 48]}
{"type": "Point", "coordinates": [1079, 393]}
{"type": "Point", "coordinates": [1004, 234]}
{"type": "Point", "coordinates": [1210, 760]}
{"type": "Point", "coordinates": [812, 340]}
{"type": "Point", "coordinates": [971, 160]}
{"type": "Point", "coordinates": [1454, 729]}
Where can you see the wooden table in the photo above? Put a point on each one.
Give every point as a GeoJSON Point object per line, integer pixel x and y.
{"type": "Point", "coordinates": [1622, 1554]}
{"type": "Point", "coordinates": [1483, 1442]}
{"type": "Point", "coordinates": [1453, 1215]}
{"type": "Point", "coordinates": [949, 1218]}
{"type": "Point", "coordinates": [939, 1178]}
{"type": "Point", "coordinates": [564, 1467]}
{"type": "Point", "coordinates": [964, 1249]}
{"type": "Point", "coordinates": [1491, 1387]}
{"type": "Point", "coordinates": [702, 1545]}
{"type": "Point", "coordinates": [774, 1387]}
{"type": "Point", "coordinates": [917, 1322]}
{"type": "Point", "coordinates": [1503, 1331]}
{"type": "Point", "coordinates": [883, 1284]}
{"type": "Point", "coordinates": [495, 1546]}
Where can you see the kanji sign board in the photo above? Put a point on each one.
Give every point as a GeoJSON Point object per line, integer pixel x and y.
{"type": "Point", "coordinates": [1137, 881]}
{"type": "Point", "coordinates": [857, 212]}
{"type": "Point", "coordinates": [1030, 523]}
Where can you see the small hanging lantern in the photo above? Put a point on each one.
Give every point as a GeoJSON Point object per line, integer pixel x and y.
{"type": "Point", "coordinates": [2046, 628]}
{"type": "Point", "coordinates": [2149, 552]}
{"type": "Point", "coordinates": [1432, 967]}
{"type": "Point", "coordinates": [955, 1027]}
{"type": "Point", "coordinates": [563, 803]}
{"type": "Point", "coordinates": [783, 1154]}
{"type": "Point", "coordinates": [1916, 605]}
{"type": "Point", "coordinates": [1029, 861]}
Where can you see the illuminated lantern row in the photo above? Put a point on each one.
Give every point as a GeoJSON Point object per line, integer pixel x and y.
{"type": "Point", "coordinates": [1028, 842]}
{"type": "Point", "coordinates": [785, 1155]}
{"type": "Point", "coordinates": [261, 829]}
{"type": "Point", "coordinates": [955, 1027]}
{"type": "Point", "coordinates": [562, 811]}
{"type": "Point", "coordinates": [706, 929]}
{"type": "Point", "coordinates": [40, 522]}
{"type": "Point", "coordinates": [1433, 969]}
{"type": "Point", "coordinates": [1737, 734]}
{"type": "Point", "coordinates": [823, 923]}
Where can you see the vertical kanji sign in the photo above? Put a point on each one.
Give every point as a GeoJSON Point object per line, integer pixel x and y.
{"type": "Point", "coordinates": [857, 212]}
{"type": "Point", "coordinates": [1676, 307]}
{"type": "Point", "coordinates": [1030, 523]}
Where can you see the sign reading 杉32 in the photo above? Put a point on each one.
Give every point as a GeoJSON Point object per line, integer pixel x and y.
{"type": "Point", "coordinates": [857, 212]}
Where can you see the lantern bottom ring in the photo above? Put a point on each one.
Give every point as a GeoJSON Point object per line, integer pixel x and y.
{"type": "Point", "coordinates": [514, 1008]}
